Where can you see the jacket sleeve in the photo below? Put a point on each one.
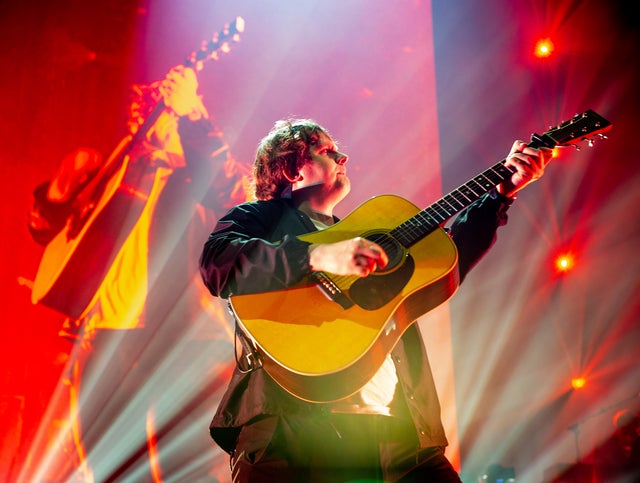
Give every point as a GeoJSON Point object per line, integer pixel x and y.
{"type": "Point", "coordinates": [244, 255]}
{"type": "Point", "coordinates": [474, 231]}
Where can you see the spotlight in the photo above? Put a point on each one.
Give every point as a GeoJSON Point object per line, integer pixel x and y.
{"type": "Point", "coordinates": [578, 382]}
{"type": "Point", "coordinates": [565, 262]}
{"type": "Point", "coordinates": [544, 48]}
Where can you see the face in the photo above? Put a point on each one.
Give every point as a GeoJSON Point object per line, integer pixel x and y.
{"type": "Point", "coordinates": [326, 174]}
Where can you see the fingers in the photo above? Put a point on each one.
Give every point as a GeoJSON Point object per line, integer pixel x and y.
{"type": "Point", "coordinates": [178, 79]}
{"type": "Point", "coordinates": [518, 146]}
{"type": "Point", "coordinates": [530, 162]}
{"type": "Point", "coordinates": [180, 72]}
{"type": "Point", "coordinates": [368, 256]}
{"type": "Point", "coordinates": [356, 256]}
{"type": "Point", "coordinates": [179, 92]}
{"type": "Point", "coordinates": [526, 153]}
{"type": "Point", "coordinates": [528, 165]}
{"type": "Point", "coordinates": [523, 164]}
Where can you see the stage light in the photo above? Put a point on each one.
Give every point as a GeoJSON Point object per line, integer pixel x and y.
{"type": "Point", "coordinates": [544, 48]}
{"type": "Point", "coordinates": [578, 382]}
{"type": "Point", "coordinates": [564, 262]}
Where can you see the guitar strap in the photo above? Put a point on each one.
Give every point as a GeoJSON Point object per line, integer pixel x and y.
{"type": "Point", "coordinates": [250, 359]}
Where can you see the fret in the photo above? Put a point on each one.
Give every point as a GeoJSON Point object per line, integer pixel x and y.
{"type": "Point", "coordinates": [414, 229]}
{"type": "Point", "coordinates": [445, 207]}
{"type": "Point", "coordinates": [453, 202]}
{"type": "Point", "coordinates": [402, 232]}
{"type": "Point", "coordinates": [437, 215]}
{"type": "Point", "coordinates": [428, 216]}
{"type": "Point", "coordinates": [478, 189]}
{"type": "Point", "coordinates": [485, 182]}
{"type": "Point", "coordinates": [500, 171]}
{"type": "Point", "coordinates": [460, 197]}
{"type": "Point", "coordinates": [468, 193]}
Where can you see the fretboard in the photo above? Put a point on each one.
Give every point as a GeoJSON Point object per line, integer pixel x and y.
{"type": "Point", "coordinates": [432, 217]}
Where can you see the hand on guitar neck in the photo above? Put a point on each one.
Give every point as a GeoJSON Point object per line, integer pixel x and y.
{"type": "Point", "coordinates": [527, 164]}
{"type": "Point", "coordinates": [179, 91]}
{"type": "Point", "coordinates": [176, 94]}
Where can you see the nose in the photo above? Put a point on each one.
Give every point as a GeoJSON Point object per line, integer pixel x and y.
{"type": "Point", "coordinates": [341, 158]}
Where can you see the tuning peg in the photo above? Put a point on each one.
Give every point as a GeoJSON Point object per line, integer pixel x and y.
{"type": "Point", "coordinates": [590, 142]}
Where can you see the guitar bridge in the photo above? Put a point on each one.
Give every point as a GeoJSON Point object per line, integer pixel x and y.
{"type": "Point", "coordinates": [331, 290]}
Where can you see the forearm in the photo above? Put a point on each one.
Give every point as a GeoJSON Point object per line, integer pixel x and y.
{"type": "Point", "coordinates": [475, 230]}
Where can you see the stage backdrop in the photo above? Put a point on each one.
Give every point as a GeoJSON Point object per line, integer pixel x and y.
{"type": "Point", "coordinates": [422, 96]}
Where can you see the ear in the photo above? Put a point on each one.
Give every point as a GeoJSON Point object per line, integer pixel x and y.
{"type": "Point", "coordinates": [291, 179]}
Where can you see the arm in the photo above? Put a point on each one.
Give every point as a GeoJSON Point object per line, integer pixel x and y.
{"type": "Point", "coordinates": [254, 249]}
{"type": "Point", "coordinates": [474, 230]}
{"type": "Point", "coordinates": [207, 158]}
{"type": "Point", "coordinates": [204, 149]}
{"type": "Point", "coordinates": [250, 251]}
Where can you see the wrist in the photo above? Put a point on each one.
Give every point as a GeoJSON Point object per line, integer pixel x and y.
{"type": "Point", "coordinates": [507, 198]}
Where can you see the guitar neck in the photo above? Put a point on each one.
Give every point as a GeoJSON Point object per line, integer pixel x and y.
{"type": "Point", "coordinates": [95, 188]}
{"type": "Point", "coordinates": [426, 221]}
{"type": "Point", "coordinates": [432, 217]}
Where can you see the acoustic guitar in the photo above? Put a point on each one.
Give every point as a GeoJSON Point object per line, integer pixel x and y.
{"type": "Point", "coordinates": [323, 341]}
{"type": "Point", "coordinates": [76, 261]}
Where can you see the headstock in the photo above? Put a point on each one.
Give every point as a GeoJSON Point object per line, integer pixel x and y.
{"type": "Point", "coordinates": [579, 128]}
{"type": "Point", "coordinates": [219, 43]}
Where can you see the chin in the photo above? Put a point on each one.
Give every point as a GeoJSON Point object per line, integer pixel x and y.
{"type": "Point", "coordinates": [346, 186]}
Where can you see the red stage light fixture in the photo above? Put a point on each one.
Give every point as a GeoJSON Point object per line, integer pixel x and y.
{"type": "Point", "coordinates": [544, 48]}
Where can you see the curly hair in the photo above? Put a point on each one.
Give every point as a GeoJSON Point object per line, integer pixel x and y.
{"type": "Point", "coordinates": [285, 149]}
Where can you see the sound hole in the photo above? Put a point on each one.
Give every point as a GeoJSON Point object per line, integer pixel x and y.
{"type": "Point", "coordinates": [392, 248]}
{"type": "Point", "coordinates": [383, 285]}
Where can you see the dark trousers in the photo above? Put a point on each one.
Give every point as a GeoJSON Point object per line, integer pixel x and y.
{"type": "Point", "coordinates": [335, 448]}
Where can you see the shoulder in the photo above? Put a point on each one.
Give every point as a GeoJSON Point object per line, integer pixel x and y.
{"type": "Point", "coordinates": [263, 213]}
{"type": "Point", "coordinates": [278, 205]}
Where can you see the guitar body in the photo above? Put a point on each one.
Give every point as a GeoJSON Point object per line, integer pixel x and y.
{"type": "Point", "coordinates": [76, 261]}
{"type": "Point", "coordinates": [320, 351]}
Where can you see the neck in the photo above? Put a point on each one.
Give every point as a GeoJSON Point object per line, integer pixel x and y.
{"type": "Point", "coordinates": [310, 201]}
{"type": "Point", "coordinates": [320, 213]}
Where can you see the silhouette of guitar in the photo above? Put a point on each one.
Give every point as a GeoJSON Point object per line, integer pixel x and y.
{"type": "Point", "coordinates": [323, 341]}
{"type": "Point", "coordinates": [76, 261]}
